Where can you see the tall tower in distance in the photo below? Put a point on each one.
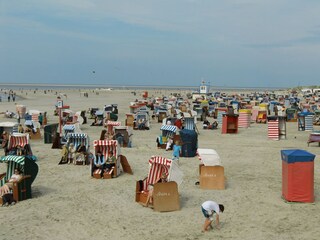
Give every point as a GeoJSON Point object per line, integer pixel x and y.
{"type": "Point", "coordinates": [204, 88]}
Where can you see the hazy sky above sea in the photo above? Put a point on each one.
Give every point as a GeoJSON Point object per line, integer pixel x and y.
{"type": "Point", "coordinates": [231, 43]}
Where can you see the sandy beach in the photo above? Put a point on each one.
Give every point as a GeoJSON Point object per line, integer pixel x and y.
{"type": "Point", "coordinates": [68, 204]}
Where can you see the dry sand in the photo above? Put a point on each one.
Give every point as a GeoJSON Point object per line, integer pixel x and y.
{"type": "Point", "coordinates": [68, 204]}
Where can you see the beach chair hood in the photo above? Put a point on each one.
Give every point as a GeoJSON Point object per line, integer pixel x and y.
{"type": "Point", "coordinates": [169, 128]}
{"type": "Point", "coordinates": [209, 157]}
{"type": "Point", "coordinates": [159, 164]}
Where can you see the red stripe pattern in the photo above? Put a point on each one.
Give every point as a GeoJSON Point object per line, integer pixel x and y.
{"type": "Point", "coordinates": [14, 141]}
{"type": "Point", "coordinates": [108, 148]}
{"type": "Point", "coordinates": [273, 129]}
{"type": "Point", "coordinates": [34, 117]}
{"type": "Point", "coordinates": [111, 124]}
{"type": "Point", "coordinates": [244, 120]}
{"type": "Point", "coordinates": [158, 165]}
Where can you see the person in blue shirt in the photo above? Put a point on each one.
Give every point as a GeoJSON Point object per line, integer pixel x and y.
{"type": "Point", "coordinates": [176, 150]}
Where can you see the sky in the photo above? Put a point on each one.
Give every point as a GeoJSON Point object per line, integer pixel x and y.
{"type": "Point", "coordinates": [229, 43]}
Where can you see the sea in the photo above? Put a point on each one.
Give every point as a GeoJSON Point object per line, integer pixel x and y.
{"type": "Point", "coordinates": [39, 86]}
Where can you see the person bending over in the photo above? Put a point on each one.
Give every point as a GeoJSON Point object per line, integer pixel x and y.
{"type": "Point", "coordinates": [209, 208]}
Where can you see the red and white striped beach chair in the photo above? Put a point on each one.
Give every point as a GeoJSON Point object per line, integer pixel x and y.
{"type": "Point", "coordinates": [16, 139]}
{"type": "Point", "coordinates": [165, 195]}
{"type": "Point", "coordinates": [110, 124]}
{"type": "Point", "coordinates": [109, 148]}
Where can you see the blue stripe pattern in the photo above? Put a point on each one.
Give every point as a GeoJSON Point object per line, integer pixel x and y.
{"type": "Point", "coordinates": [170, 128]}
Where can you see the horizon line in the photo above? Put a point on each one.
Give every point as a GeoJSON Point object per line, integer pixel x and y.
{"type": "Point", "coordinates": [132, 86]}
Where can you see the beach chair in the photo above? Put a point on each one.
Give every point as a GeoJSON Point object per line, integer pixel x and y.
{"type": "Point", "coordinates": [291, 114]}
{"type": "Point", "coordinates": [189, 142]}
{"type": "Point", "coordinates": [210, 170]}
{"type": "Point", "coordinates": [92, 112]}
{"type": "Point", "coordinates": [69, 128]}
{"type": "Point", "coordinates": [161, 114]}
{"type": "Point", "coordinates": [111, 112]}
{"type": "Point", "coordinates": [123, 135]}
{"type": "Point", "coordinates": [130, 120]}
{"type": "Point", "coordinates": [50, 131]}
{"type": "Point", "coordinates": [9, 127]}
{"type": "Point", "coordinates": [76, 139]}
{"type": "Point", "coordinates": [165, 195]}
{"type": "Point", "coordinates": [141, 121]}
{"type": "Point", "coordinates": [305, 121]}
{"type": "Point", "coordinates": [262, 116]}
{"type": "Point", "coordinates": [29, 169]}
{"type": "Point", "coordinates": [314, 137]}
{"type": "Point", "coordinates": [99, 119]}
{"type": "Point", "coordinates": [110, 125]}
{"type": "Point", "coordinates": [189, 123]}
{"type": "Point", "coordinates": [168, 131]}
{"type": "Point", "coordinates": [109, 148]}
{"type": "Point", "coordinates": [22, 140]}
{"type": "Point", "coordinates": [34, 129]}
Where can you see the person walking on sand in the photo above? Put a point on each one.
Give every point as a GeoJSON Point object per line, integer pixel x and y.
{"type": "Point", "coordinates": [209, 208]}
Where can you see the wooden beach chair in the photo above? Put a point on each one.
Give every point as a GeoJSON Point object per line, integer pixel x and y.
{"type": "Point", "coordinates": [109, 148]}
{"type": "Point", "coordinates": [210, 170]}
{"type": "Point", "coordinates": [165, 195]}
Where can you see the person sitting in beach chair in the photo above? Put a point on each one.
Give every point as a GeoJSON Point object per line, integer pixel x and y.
{"type": "Point", "coordinates": [208, 125]}
{"type": "Point", "coordinates": [169, 144]}
{"type": "Point", "coordinates": [64, 154]}
{"type": "Point", "coordinates": [81, 153]}
{"type": "Point", "coordinates": [142, 123]}
{"type": "Point", "coordinates": [71, 153]}
{"type": "Point", "coordinates": [6, 188]}
{"type": "Point", "coordinates": [99, 163]}
{"type": "Point", "coordinates": [162, 179]}
{"type": "Point", "coordinates": [20, 150]}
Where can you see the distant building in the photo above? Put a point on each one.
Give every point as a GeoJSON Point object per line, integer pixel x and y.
{"type": "Point", "coordinates": [204, 89]}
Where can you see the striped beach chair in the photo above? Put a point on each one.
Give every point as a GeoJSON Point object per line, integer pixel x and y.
{"type": "Point", "coordinates": [168, 130]}
{"type": "Point", "coordinates": [110, 124]}
{"type": "Point", "coordinates": [273, 128]}
{"type": "Point", "coordinates": [108, 148]}
{"type": "Point", "coordinates": [76, 139]}
{"type": "Point", "coordinates": [69, 128]}
{"type": "Point", "coordinates": [16, 139]}
{"type": "Point", "coordinates": [29, 169]}
{"type": "Point", "coordinates": [165, 195]}
{"type": "Point", "coordinates": [189, 123]}
{"type": "Point", "coordinates": [21, 139]}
